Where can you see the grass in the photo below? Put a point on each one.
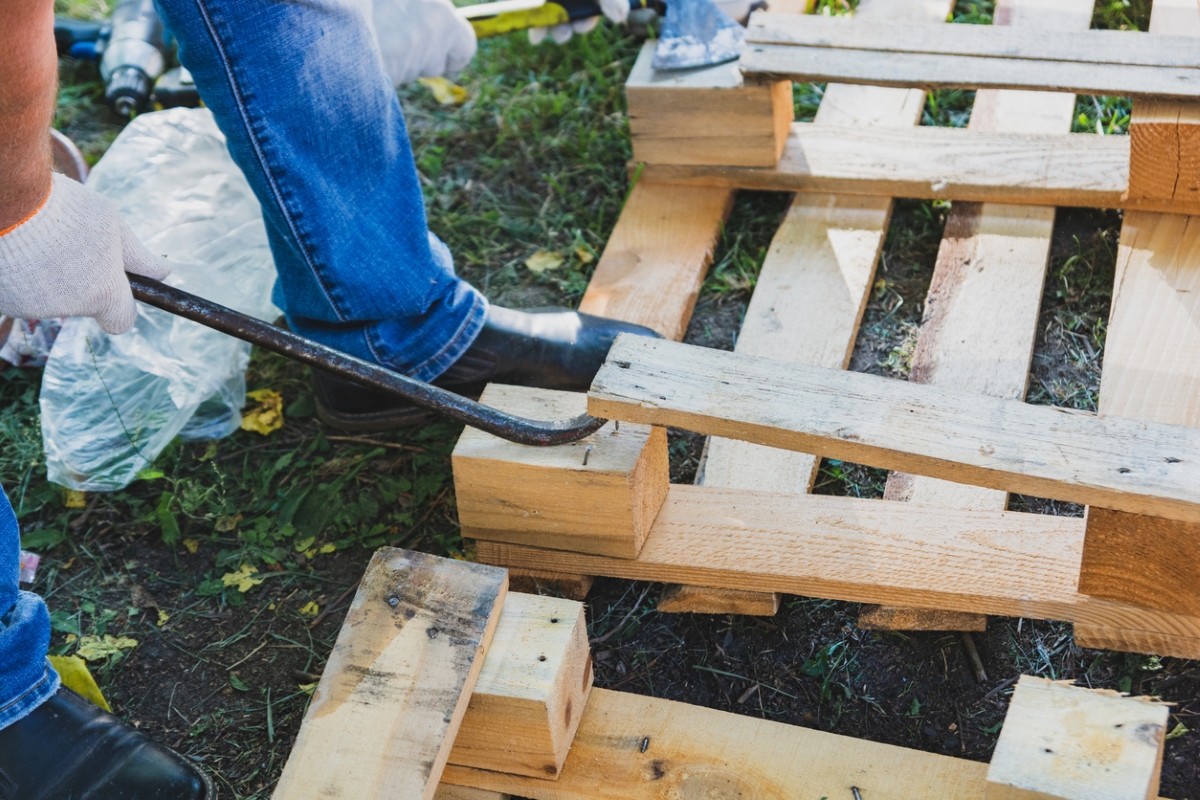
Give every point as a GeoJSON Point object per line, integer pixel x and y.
{"type": "Point", "coordinates": [535, 160]}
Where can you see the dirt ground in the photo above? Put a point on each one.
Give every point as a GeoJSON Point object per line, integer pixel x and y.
{"type": "Point", "coordinates": [534, 161]}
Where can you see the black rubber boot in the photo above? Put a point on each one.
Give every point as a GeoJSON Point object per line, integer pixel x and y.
{"type": "Point", "coordinates": [68, 749]}
{"type": "Point", "coordinates": [551, 348]}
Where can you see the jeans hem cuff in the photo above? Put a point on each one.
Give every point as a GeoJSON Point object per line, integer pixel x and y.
{"type": "Point", "coordinates": [459, 343]}
{"type": "Point", "coordinates": [25, 704]}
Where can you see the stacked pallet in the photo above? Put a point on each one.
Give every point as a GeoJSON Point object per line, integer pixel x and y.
{"type": "Point", "coordinates": [443, 685]}
{"type": "Point", "coordinates": [1126, 575]}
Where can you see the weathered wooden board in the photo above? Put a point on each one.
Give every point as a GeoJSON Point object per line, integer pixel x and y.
{"type": "Point", "coordinates": [392, 696]}
{"type": "Point", "coordinates": [849, 50]}
{"type": "Point", "coordinates": [1128, 465]}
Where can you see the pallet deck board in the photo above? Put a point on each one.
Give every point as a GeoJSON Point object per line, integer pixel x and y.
{"type": "Point", "coordinates": [1123, 464]}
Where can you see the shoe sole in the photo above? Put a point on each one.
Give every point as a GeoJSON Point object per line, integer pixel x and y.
{"type": "Point", "coordinates": [375, 421]}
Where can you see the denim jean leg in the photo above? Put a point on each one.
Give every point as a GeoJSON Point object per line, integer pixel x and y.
{"type": "Point", "coordinates": [26, 678]}
{"type": "Point", "coordinates": [313, 121]}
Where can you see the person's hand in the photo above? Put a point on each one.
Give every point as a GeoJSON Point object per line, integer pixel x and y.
{"type": "Point", "coordinates": [616, 10]}
{"type": "Point", "coordinates": [421, 38]}
{"type": "Point", "coordinates": [69, 259]}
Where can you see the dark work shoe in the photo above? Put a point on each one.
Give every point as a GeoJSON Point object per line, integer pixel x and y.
{"type": "Point", "coordinates": [550, 348]}
{"type": "Point", "coordinates": [68, 749]}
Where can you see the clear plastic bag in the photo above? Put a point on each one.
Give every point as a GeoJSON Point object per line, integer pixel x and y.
{"type": "Point", "coordinates": [110, 404]}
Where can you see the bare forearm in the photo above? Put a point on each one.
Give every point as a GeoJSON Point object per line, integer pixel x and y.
{"type": "Point", "coordinates": [28, 83]}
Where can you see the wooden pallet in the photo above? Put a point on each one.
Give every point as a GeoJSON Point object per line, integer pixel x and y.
{"type": "Point", "coordinates": [806, 309]}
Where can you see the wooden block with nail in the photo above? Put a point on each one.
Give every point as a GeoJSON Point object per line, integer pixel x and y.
{"type": "Point", "coordinates": [599, 495]}
{"type": "Point", "coordinates": [394, 691]}
{"type": "Point", "coordinates": [706, 115]}
{"type": "Point", "coordinates": [532, 690]}
{"type": "Point", "coordinates": [1063, 742]}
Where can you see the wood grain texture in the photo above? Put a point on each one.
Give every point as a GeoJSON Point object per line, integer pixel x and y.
{"type": "Point", "coordinates": [529, 581]}
{"type": "Point", "coordinates": [549, 496]}
{"type": "Point", "coordinates": [679, 599]}
{"type": "Point", "coordinates": [1062, 742]}
{"type": "Point", "coordinates": [810, 296]}
{"type": "Point", "coordinates": [393, 693]}
{"type": "Point", "coordinates": [1152, 372]}
{"type": "Point", "coordinates": [1133, 640]}
{"type": "Point", "coordinates": [892, 618]}
{"type": "Point", "coordinates": [657, 256]}
{"type": "Point", "coordinates": [531, 691]}
{"type": "Point", "coordinates": [446, 791]}
{"type": "Point", "coordinates": [1128, 465]}
{"type": "Point", "coordinates": [867, 551]}
{"type": "Point", "coordinates": [850, 50]}
{"type": "Point", "coordinates": [981, 312]}
{"type": "Point", "coordinates": [696, 752]}
{"type": "Point", "coordinates": [940, 164]}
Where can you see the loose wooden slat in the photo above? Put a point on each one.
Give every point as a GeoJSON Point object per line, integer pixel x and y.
{"type": "Point", "coordinates": [1062, 742]}
{"type": "Point", "coordinates": [385, 713]}
{"type": "Point", "coordinates": [817, 48]}
{"type": "Point", "coordinates": [1037, 41]}
{"type": "Point", "coordinates": [872, 617]}
{"type": "Point", "coordinates": [446, 791]}
{"type": "Point", "coordinates": [572, 587]}
{"type": "Point", "coordinates": [531, 691]}
{"type": "Point", "coordinates": [643, 748]}
{"type": "Point", "coordinates": [678, 599]}
{"type": "Point", "coordinates": [1118, 463]}
{"type": "Point", "coordinates": [868, 551]}
{"type": "Point", "coordinates": [936, 163]}
{"type": "Point", "coordinates": [981, 312]}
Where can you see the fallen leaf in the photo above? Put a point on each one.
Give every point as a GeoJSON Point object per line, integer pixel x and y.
{"type": "Point", "coordinates": [237, 683]}
{"type": "Point", "coordinates": [267, 416]}
{"type": "Point", "coordinates": [241, 579]}
{"type": "Point", "coordinates": [192, 545]}
{"type": "Point", "coordinates": [584, 255]}
{"type": "Point", "coordinates": [98, 648]}
{"type": "Point", "coordinates": [308, 688]}
{"type": "Point", "coordinates": [226, 524]}
{"type": "Point", "coordinates": [309, 609]}
{"type": "Point", "coordinates": [75, 499]}
{"type": "Point", "coordinates": [162, 617]}
{"type": "Point", "coordinates": [75, 676]}
{"type": "Point", "coordinates": [444, 91]}
{"type": "Point", "coordinates": [327, 548]}
{"type": "Point", "coordinates": [544, 261]}
{"type": "Point", "coordinates": [1179, 730]}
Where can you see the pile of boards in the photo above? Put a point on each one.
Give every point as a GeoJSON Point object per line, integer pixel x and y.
{"type": "Point", "coordinates": [941, 550]}
{"type": "Point", "coordinates": [444, 685]}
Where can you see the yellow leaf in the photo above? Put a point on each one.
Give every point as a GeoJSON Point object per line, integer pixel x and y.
{"type": "Point", "coordinates": [327, 548]}
{"type": "Point", "coordinates": [584, 255]}
{"type": "Point", "coordinates": [192, 545]}
{"type": "Point", "coordinates": [75, 676]}
{"type": "Point", "coordinates": [309, 609]}
{"type": "Point", "coordinates": [1180, 730]}
{"type": "Point", "coordinates": [241, 579]}
{"type": "Point", "coordinates": [98, 648]}
{"type": "Point", "coordinates": [70, 638]}
{"type": "Point", "coordinates": [544, 261]}
{"type": "Point", "coordinates": [75, 499]}
{"type": "Point", "coordinates": [226, 524]}
{"type": "Point", "coordinates": [308, 688]}
{"type": "Point", "coordinates": [267, 416]}
{"type": "Point", "coordinates": [310, 553]}
{"type": "Point", "coordinates": [162, 617]}
{"type": "Point", "coordinates": [445, 92]}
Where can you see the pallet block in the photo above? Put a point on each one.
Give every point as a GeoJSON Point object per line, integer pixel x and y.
{"type": "Point", "coordinates": [681, 599]}
{"type": "Point", "coordinates": [529, 581]}
{"type": "Point", "coordinates": [598, 495]}
{"type": "Point", "coordinates": [394, 691]}
{"type": "Point", "coordinates": [707, 115]}
{"type": "Point", "coordinates": [531, 691]}
{"type": "Point", "coordinates": [1164, 155]}
{"type": "Point", "coordinates": [872, 617]}
{"type": "Point", "coordinates": [1063, 742]}
{"type": "Point", "coordinates": [446, 791]}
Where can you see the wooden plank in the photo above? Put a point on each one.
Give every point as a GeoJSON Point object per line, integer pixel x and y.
{"type": "Point", "coordinates": [530, 581]}
{"type": "Point", "coordinates": [707, 115]}
{"type": "Point", "coordinates": [597, 495]}
{"type": "Point", "coordinates": [1123, 464]}
{"type": "Point", "coordinates": [643, 748]}
{"type": "Point", "coordinates": [847, 50]}
{"type": "Point", "coordinates": [385, 713]}
{"type": "Point", "coordinates": [1063, 742]}
{"type": "Point", "coordinates": [867, 551]}
{"type": "Point", "coordinates": [981, 312]}
{"type": "Point", "coordinates": [1151, 372]}
{"type": "Point", "coordinates": [657, 256]}
{"type": "Point", "coordinates": [679, 599]}
{"type": "Point", "coordinates": [532, 689]}
{"type": "Point", "coordinates": [874, 617]}
{"type": "Point", "coordinates": [935, 163]}
{"type": "Point", "coordinates": [446, 791]}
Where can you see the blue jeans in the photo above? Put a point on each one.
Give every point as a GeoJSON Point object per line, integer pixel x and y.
{"type": "Point", "coordinates": [26, 678]}
{"type": "Point", "coordinates": [298, 88]}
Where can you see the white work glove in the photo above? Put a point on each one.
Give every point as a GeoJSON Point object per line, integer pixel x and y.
{"type": "Point", "coordinates": [70, 258]}
{"type": "Point", "coordinates": [421, 38]}
{"type": "Point", "coordinates": [616, 10]}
